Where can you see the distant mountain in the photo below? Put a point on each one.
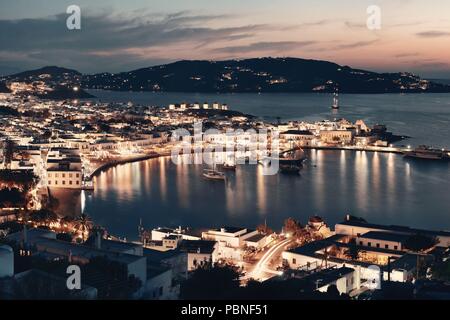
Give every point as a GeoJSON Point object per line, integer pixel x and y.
{"type": "Point", "coordinates": [249, 75]}
{"type": "Point", "coordinates": [260, 75]}
{"type": "Point", "coordinates": [49, 73]}
{"type": "Point", "coordinates": [52, 83]}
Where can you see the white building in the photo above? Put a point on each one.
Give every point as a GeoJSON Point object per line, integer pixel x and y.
{"type": "Point", "coordinates": [64, 173]}
{"type": "Point", "coordinates": [229, 236]}
{"type": "Point", "coordinates": [356, 228]}
{"type": "Point", "coordinates": [336, 136]}
{"type": "Point", "coordinates": [159, 233]}
{"type": "Point", "coordinates": [298, 137]}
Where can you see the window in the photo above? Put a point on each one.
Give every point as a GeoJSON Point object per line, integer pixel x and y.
{"type": "Point", "coordinates": [360, 243]}
{"type": "Point", "coordinates": [395, 247]}
{"type": "Point", "coordinates": [56, 175]}
{"type": "Point", "coordinates": [78, 182]}
{"type": "Point", "coordinates": [77, 175]}
{"type": "Point", "coordinates": [49, 175]}
{"type": "Point", "coordinates": [294, 261]}
{"type": "Point", "coordinates": [369, 244]}
{"type": "Point", "coordinates": [386, 246]}
{"type": "Point", "coordinates": [70, 182]}
{"type": "Point", "coordinates": [64, 182]}
{"type": "Point", "coordinates": [56, 181]}
{"type": "Point", "coordinates": [63, 175]}
{"type": "Point", "coordinates": [378, 245]}
{"type": "Point", "coordinates": [49, 182]}
{"type": "Point", "coordinates": [70, 175]}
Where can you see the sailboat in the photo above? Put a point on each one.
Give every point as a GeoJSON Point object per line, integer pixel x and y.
{"type": "Point", "coordinates": [213, 174]}
{"type": "Point", "coordinates": [335, 105]}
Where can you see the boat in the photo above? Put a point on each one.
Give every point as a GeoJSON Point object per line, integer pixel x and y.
{"type": "Point", "coordinates": [213, 174]}
{"type": "Point", "coordinates": [426, 153]}
{"type": "Point", "coordinates": [335, 105]}
{"type": "Point", "coordinates": [229, 166]}
{"type": "Point", "coordinates": [294, 156]}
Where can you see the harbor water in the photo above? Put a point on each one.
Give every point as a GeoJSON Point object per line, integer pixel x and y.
{"type": "Point", "coordinates": [382, 188]}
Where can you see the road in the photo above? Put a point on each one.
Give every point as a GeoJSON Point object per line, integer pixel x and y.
{"type": "Point", "coordinates": [270, 259]}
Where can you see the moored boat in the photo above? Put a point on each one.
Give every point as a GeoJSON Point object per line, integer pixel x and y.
{"type": "Point", "coordinates": [213, 174]}
{"type": "Point", "coordinates": [229, 166]}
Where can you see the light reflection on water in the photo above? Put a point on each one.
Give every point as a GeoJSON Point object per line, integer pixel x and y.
{"type": "Point", "coordinates": [383, 188]}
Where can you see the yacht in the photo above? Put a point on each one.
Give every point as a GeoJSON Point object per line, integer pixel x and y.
{"type": "Point", "coordinates": [335, 105]}
{"type": "Point", "coordinates": [213, 174]}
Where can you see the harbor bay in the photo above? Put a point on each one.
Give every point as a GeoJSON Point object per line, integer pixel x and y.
{"type": "Point", "coordinates": [384, 188]}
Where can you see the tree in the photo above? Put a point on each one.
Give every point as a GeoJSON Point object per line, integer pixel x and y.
{"type": "Point", "coordinates": [419, 243]}
{"type": "Point", "coordinates": [264, 229]}
{"type": "Point", "coordinates": [441, 270]}
{"type": "Point", "coordinates": [9, 147]}
{"type": "Point", "coordinates": [292, 226]}
{"type": "Point", "coordinates": [44, 216]}
{"type": "Point", "coordinates": [83, 224]}
{"type": "Point", "coordinates": [212, 283]}
{"type": "Point", "coordinates": [352, 252]}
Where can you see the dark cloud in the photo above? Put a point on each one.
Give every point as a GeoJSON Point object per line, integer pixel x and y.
{"type": "Point", "coordinates": [433, 34]}
{"type": "Point", "coordinates": [106, 32]}
{"type": "Point", "coordinates": [355, 25]}
{"type": "Point", "coordinates": [357, 44]}
{"type": "Point", "coordinates": [265, 46]}
{"type": "Point", "coordinates": [406, 54]}
{"type": "Point", "coordinates": [109, 38]}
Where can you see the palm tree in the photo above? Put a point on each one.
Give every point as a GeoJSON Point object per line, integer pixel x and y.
{"type": "Point", "coordinates": [83, 224]}
{"type": "Point", "coordinates": [353, 251]}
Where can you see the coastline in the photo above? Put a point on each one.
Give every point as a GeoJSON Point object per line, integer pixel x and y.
{"type": "Point", "coordinates": [107, 165]}
{"type": "Point", "coordinates": [113, 163]}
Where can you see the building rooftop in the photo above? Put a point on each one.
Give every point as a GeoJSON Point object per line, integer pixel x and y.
{"type": "Point", "coordinates": [159, 256]}
{"type": "Point", "coordinates": [229, 229]}
{"type": "Point", "coordinates": [197, 246]}
{"type": "Point", "coordinates": [386, 236]}
{"type": "Point", "coordinates": [394, 228]}
{"type": "Point", "coordinates": [33, 235]}
{"type": "Point", "coordinates": [327, 276]}
{"type": "Point", "coordinates": [256, 237]}
{"type": "Point", "coordinates": [63, 248]}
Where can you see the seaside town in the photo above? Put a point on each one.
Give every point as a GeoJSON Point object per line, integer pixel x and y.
{"type": "Point", "coordinates": [49, 145]}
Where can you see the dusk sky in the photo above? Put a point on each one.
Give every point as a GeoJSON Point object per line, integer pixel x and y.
{"type": "Point", "coordinates": [119, 35]}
